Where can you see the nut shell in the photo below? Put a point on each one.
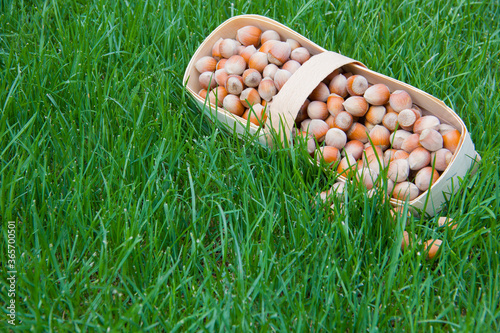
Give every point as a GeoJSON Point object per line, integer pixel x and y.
{"type": "Point", "coordinates": [356, 106]}
{"type": "Point", "coordinates": [217, 95]}
{"type": "Point", "coordinates": [251, 77]}
{"type": "Point", "coordinates": [335, 138]}
{"type": "Point", "coordinates": [258, 61]}
{"type": "Point", "coordinates": [232, 104]}
{"type": "Point", "coordinates": [249, 97]}
{"type": "Point", "coordinates": [300, 54]}
{"type": "Point", "coordinates": [425, 178]}
{"type": "Point", "coordinates": [269, 35]}
{"type": "Point", "coordinates": [267, 89]}
{"type": "Point", "coordinates": [279, 53]}
{"type": "Point", "coordinates": [206, 64]}
{"type": "Point", "coordinates": [451, 140]}
{"type": "Point", "coordinates": [338, 85]}
{"type": "Point", "coordinates": [431, 247]}
{"type": "Point", "coordinates": [328, 155]}
{"type": "Point", "coordinates": [355, 148]}
{"type": "Point", "coordinates": [249, 35]}
{"type": "Point", "coordinates": [358, 132]}
{"type": "Point", "coordinates": [281, 77]}
{"type": "Point", "coordinates": [400, 100]}
{"type": "Point", "coordinates": [234, 84]}
{"type": "Point", "coordinates": [378, 94]}
{"type": "Point", "coordinates": [317, 110]}
{"type": "Point", "coordinates": [431, 140]}
{"type": "Point", "coordinates": [320, 93]}
{"type": "Point", "coordinates": [419, 158]}
{"type": "Point", "coordinates": [398, 170]}
{"type": "Point", "coordinates": [357, 85]}
{"type": "Point", "coordinates": [405, 191]}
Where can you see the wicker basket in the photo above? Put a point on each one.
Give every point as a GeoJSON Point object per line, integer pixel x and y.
{"type": "Point", "coordinates": [287, 102]}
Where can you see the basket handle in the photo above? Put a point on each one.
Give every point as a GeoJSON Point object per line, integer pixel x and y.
{"type": "Point", "coordinates": [287, 103]}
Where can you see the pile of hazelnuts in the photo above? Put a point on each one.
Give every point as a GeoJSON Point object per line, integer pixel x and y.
{"type": "Point", "coordinates": [349, 123]}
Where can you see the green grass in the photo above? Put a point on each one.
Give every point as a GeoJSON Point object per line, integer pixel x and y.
{"type": "Point", "coordinates": [135, 213]}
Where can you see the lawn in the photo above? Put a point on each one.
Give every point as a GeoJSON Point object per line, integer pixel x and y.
{"type": "Point", "coordinates": [133, 212]}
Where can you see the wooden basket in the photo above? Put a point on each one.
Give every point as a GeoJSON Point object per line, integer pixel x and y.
{"type": "Point", "coordinates": [287, 102]}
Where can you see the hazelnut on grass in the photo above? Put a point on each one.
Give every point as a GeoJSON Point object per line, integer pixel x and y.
{"type": "Point", "coordinates": [431, 247]}
{"type": "Point", "coordinates": [445, 221]}
{"type": "Point", "coordinates": [398, 212]}
{"type": "Point", "coordinates": [408, 241]}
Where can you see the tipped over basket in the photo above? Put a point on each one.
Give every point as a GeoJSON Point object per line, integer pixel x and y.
{"type": "Point", "coordinates": [282, 112]}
